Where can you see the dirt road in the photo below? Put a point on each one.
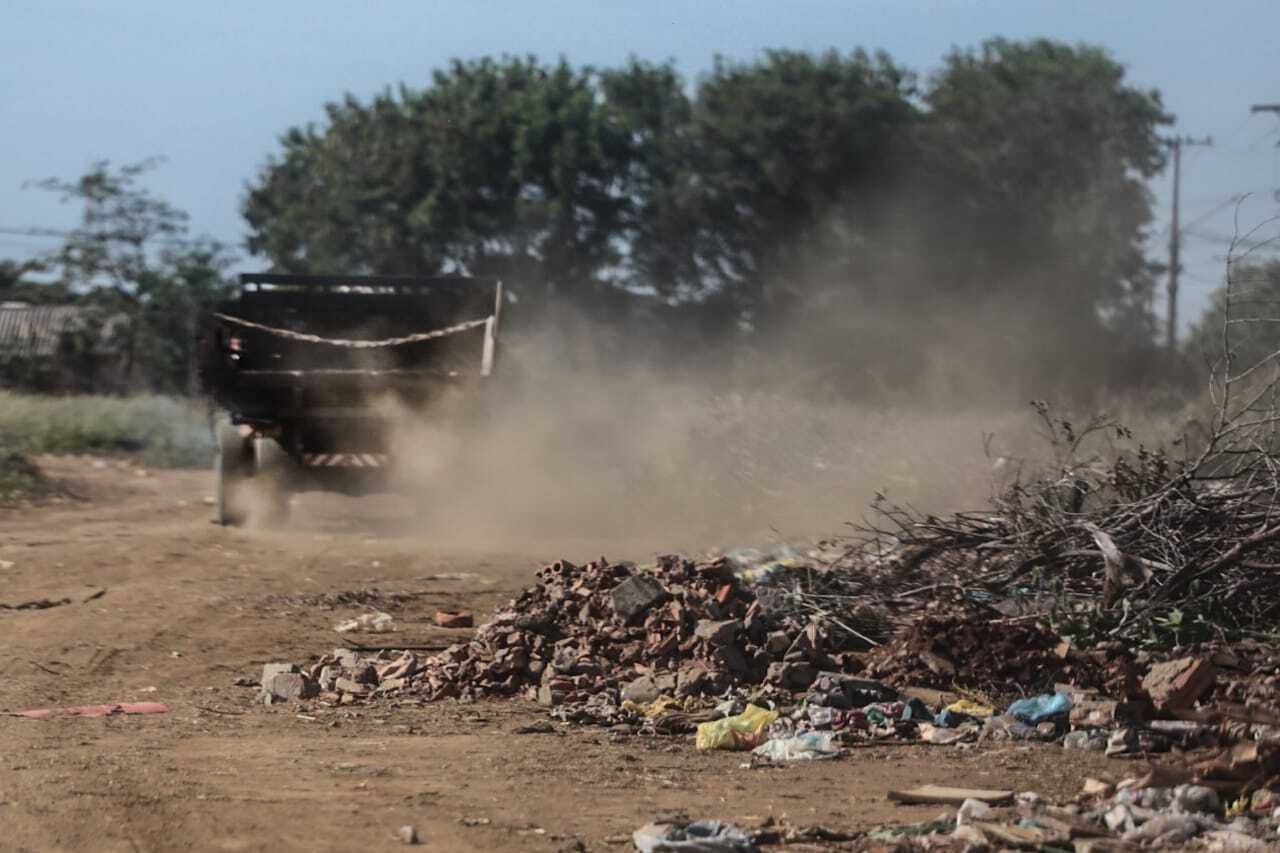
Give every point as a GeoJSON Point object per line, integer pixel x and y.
{"type": "Point", "coordinates": [187, 608]}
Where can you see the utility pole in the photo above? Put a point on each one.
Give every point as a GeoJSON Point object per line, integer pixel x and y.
{"type": "Point", "coordinates": [1175, 236]}
{"type": "Point", "coordinates": [1271, 108]}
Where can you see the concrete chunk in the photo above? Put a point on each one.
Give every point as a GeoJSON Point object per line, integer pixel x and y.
{"type": "Point", "coordinates": [635, 595]}
{"type": "Point", "coordinates": [1177, 684]}
{"type": "Point", "coordinates": [271, 670]}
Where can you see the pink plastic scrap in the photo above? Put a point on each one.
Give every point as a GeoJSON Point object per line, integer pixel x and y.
{"type": "Point", "coordinates": [96, 710]}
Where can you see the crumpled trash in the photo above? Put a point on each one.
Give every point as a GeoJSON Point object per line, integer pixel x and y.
{"type": "Point", "coordinates": [970, 709]}
{"type": "Point", "coordinates": [372, 623]}
{"type": "Point", "coordinates": [663, 705]}
{"type": "Point", "coordinates": [971, 810]}
{"type": "Point", "coordinates": [753, 565]}
{"type": "Point", "coordinates": [1195, 799]}
{"type": "Point", "coordinates": [1008, 727]}
{"type": "Point", "coordinates": [1230, 841]}
{"type": "Point", "coordinates": [945, 736]}
{"type": "Point", "coordinates": [1166, 829]}
{"type": "Point", "coordinates": [913, 830]}
{"type": "Point", "coordinates": [805, 747]}
{"type": "Point", "coordinates": [744, 731]}
{"type": "Point", "coordinates": [1091, 740]}
{"type": "Point", "coordinates": [1038, 709]}
{"type": "Point", "coordinates": [962, 711]}
{"type": "Point", "coordinates": [883, 714]}
{"type": "Point", "coordinates": [915, 710]}
{"type": "Point", "coordinates": [700, 836]}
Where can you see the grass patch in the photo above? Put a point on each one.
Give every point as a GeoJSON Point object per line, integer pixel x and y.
{"type": "Point", "coordinates": [162, 431]}
{"type": "Point", "coordinates": [21, 479]}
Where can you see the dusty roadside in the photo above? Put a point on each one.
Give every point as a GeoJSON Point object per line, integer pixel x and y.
{"type": "Point", "coordinates": [187, 608]}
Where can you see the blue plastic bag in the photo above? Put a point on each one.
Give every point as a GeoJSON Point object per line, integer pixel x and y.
{"type": "Point", "coordinates": [1037, 709]}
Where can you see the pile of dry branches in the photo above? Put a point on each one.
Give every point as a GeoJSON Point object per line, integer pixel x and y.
{"type": "Point", "coordinates": [1149, 545]}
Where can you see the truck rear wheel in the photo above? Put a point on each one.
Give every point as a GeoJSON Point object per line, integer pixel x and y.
{"type": "Point", "coordinates": [273, 469]}
{"type": "Point", "coordinates": [231, 468]}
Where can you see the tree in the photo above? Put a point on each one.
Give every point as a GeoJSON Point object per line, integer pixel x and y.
{"type": "Point", "coordinates": [829, 194]}
{"type": "Point", "coordinates": [1255, 312]}
{"type": "Point", "coordinates": [16, 287]}
{"type": "Point", "coordinates": [508, 168]}
{"type": "Point", "coordinates": [1035, 161]}
{"type": "Point", "coordinates": [788, 159]}
{"type": "Point", "coordinates": [143, 283]}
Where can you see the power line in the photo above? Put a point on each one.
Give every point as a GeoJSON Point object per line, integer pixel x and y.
{"type": "Point", "coordinates": [60, 234]}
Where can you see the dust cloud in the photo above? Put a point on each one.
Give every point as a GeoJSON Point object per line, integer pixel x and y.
{"type": "Point", "coordinates": [572, 445]}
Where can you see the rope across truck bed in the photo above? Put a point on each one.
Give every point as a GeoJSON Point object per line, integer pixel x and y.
{"type": "Point", "coordinates": [352, 344]}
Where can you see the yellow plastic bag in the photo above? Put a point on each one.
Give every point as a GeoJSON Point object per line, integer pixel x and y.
{"type": "Point", "coordinates": [745, 731]}
{"type": "Point", "coordinates": [662, 705]}
{"type": "Point", "coordinates": [971, 709]}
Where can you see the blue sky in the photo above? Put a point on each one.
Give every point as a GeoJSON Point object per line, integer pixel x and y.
{"type": "Point", "coordinates": [211, 86]}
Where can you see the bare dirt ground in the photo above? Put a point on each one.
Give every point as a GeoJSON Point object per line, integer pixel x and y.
{"type": "Point", "coordinates": [190, 607]}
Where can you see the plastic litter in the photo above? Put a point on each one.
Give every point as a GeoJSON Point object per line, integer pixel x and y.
{"type": "Point", "coordinates": [805, 747]}
{"type": "Point", "coordinates": [1091, 740]}
{"type": "Point", "coordinates": [915, 710]}
{"type": "Point", "coordinates": [700, 836]}
{"type": "Point", "coordinates": [1038, 709]}
{"type": "Point", "coordinates": [970, 709]}
{"type": "Point", "coordinates": [753, 565]}
{"type": "Point", "coordinates": [1195, 799]}
{"type": "Point", "coordinates": [662, 705]}
{"type": "Point", "coordinates": [372, 623]}
{"type": "Point", "coordinates": [744, 731]}
{"type": "Point", "coordinates": [1008, 727]}
{"type": "Point", "coordinates": [946, 735]}
{"type": "Point", "coordinates": [971, 810]}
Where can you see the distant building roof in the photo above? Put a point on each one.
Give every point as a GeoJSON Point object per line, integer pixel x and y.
{"type": "Point", "coordinates": [38, 330]}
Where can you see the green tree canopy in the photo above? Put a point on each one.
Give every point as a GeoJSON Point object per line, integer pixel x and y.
{"type": "Point", "coordinates": [794, 190]}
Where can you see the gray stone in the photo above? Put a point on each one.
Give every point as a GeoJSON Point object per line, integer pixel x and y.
{"type": "Point", "coordinates": [291, 685]}
{"type": "Point", "coordinates": [271, 670]}
{"type": "Point", "coordinates": [690, 680]}
{"type": "Point", "coordinates": [777, 643]}
{"type": "Point", "coordinates": [717, 633]}
{"type": "Point", "coordinates": [365, 674]}
{"type": "Point", "coordinates": [407, 834]}
{"type": "Point", "coordinates": [347, 657]}
{"type": "Point", "coordinates": [329, 675]}
{"type": "Point", "coordinates": [733, 660]}
{"type": "Point", "coordinates": [635, 595]}
{"type": "Point", "coordinates": [347, 685]}
{"type": "Point", "coordinates": [643, 690]}
{"type": "Point", "coordinates": [792, 675]}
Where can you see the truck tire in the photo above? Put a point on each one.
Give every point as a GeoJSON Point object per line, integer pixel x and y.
{"type": "Point", "coordinates": [273, 469]}
{"type": "Point", "coordinates": [231, 468]}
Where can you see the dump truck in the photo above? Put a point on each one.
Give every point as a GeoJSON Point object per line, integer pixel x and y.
{"type": "Point", "coordinates": [308, 375]}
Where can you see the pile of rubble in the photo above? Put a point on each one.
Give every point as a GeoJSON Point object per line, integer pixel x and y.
{"type": "Point", "coordinates": [795, 664]}
{"type": "Point", "coordinates": [683, 629]}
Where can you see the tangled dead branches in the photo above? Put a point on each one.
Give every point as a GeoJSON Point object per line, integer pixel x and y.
{"type": "Point", "coordinates": [1151, 546]}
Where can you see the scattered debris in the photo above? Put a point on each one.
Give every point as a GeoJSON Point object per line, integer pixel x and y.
{"type": "Point", "coordinates": [36, 604]}
{"type": "Point", "coordinates": [700, 836]}
{"type": "Point", "coordinates": [459, 619]}
{"type": "Point", "coordinates": [943, 795]}
{"type": "Point", "coordinates": [95, 710]}
{"type": "Point", "coordinates": [377, 622]}
{"type": "Point", "coordinates": [806, 747]}
{"type": "Point", "coordinates": [742, 731]}
{"type": "Point", "coordinates": [540, 728]}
